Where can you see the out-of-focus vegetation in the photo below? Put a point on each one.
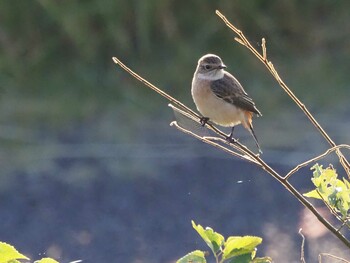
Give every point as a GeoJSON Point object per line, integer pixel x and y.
{"type": "Point", "coordinates": [55, 56]}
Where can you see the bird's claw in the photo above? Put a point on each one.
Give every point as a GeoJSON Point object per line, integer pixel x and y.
{"type": "Point", "coordinates": [230, 139]}
{"type": "Point", "coordinates": [203, 121]}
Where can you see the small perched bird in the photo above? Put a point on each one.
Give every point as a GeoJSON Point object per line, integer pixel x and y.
{"type": "Point", "coordinates": [220, 98]}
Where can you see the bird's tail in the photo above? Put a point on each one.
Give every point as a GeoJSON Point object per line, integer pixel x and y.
{"type": "Point", "coordinates": [248, 124]}
{"type": "Point", "coordinates": [251, 130]}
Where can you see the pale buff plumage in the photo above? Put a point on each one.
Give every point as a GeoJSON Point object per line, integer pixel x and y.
{"type": "Point", "coordinates": [220, 97]}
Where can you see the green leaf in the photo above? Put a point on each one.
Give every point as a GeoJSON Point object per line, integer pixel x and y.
{"type": "Point", "coordinates": [46, 260]}
{"type": "Point", "coordinates": [246, 258]}
{"type": "Point", "coordinates": [8, 253]}
{"type": "Point", "coordinates": [347, 183]}
{"type": "Point", "coordinates": [239, 245]}
{"type": "Point", "coordinates": [213, 239]}
{"type": "Point", "coordinates": [313, 194]}
{"type": "Point", "coordinates": [317, 170]}
{"type": "Point", "coordinates": [196, 256]}
{"type": "Point", "coordinates": [334, 192]}
{"type": "Point", "coordinates": [262, 260]}
{"type": "Point", "coordinates": [342, 197]}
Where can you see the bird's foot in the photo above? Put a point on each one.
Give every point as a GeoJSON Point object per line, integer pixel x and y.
{"type": "Point", "coordinates": [203, 121]}
{"type": "Point", "coordinates": [230, 139]}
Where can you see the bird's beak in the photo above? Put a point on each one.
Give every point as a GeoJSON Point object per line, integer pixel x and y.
{"type": "Point", "coordinates": [222, 66]}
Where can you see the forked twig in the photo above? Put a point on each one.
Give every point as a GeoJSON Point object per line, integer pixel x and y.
{"type": "Point", "coordinates": [237, 145]}
{"type": "Point", "coordinates": [263, 58]}
{"type": "Point", "coordinates": [306, 163]}
{"type": "Point", "coordinates": [210, 142]}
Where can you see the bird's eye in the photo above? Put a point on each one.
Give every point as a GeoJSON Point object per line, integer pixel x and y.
{"type": "Point", "coordinates": [207, 67]}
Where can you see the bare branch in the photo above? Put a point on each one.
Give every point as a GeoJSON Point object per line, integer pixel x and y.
{"type": "Point", "coordinates": [272, 70]}
{"type": "Point", "coordinates": [241, 150]}
{"type": "Point", "coordinates": [210, 142]}
{"type": "Point", "coordinates": [237, 145]}
{"type": "Point", "coordinates": [153, 87]}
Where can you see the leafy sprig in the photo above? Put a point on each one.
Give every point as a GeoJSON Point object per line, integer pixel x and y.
{"type": "Point", "coordinates": [9, 254]}
{"type": "Point", "coordinates": [236, 249]}
{"type": "Point", "coordinates": [333, 191]}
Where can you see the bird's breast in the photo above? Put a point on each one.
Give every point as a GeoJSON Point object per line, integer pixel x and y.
{"type": "Point", "coordinates": [216, 109]}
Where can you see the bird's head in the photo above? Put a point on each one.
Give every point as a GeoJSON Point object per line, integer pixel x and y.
{"type": "Point", "coordinates": [210, 67]}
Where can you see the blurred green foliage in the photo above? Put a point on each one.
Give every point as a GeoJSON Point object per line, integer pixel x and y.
{"type": "Point", "coordinates": [58, 53]}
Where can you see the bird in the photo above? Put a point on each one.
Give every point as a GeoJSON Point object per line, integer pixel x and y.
{"type": "Point", "coordinates": [220, 98]}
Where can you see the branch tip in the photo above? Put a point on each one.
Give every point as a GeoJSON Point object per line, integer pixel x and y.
{"type": "Point", "coordinates": [115, 60]}
{"type": "Point", "coordinates": [240, 41]}
{"type": "Point", "coordinates": [263, 45]}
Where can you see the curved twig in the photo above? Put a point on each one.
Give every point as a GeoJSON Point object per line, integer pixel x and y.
{"type": "Point", "coordinates": [331, 256]}
{"type": "Point", "coordinates": [299, 166]}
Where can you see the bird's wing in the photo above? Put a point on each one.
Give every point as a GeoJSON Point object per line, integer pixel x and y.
{"type": "Point", "coordinates": [230, 90]}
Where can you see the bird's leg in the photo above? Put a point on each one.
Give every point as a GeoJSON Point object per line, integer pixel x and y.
{"type": "Point", "coordinates": [230, 138]}
{"type": "Point", "coordinates": [203, 121]}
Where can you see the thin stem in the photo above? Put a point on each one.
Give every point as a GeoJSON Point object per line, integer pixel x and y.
{"type": "Point", "coordinates": [302, 251]}
{"type": "Point", "coordinates": [210, 142]}
{"type": "Point", "coordinates": [332, 210]}
{"type": "Point", "coordinates": [299, 166]}
{"type": "Point", "coordinates": [216, 258]}
{"type": "Point", "coordinates": [153, 87]}
{"type": "Point", "coordinates": [237, 145]}
{"type": "Point", "coordinates": [331, 256]}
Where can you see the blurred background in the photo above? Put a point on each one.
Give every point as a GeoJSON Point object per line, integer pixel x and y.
{"type": "Point", "coordinates": [91, 168]}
